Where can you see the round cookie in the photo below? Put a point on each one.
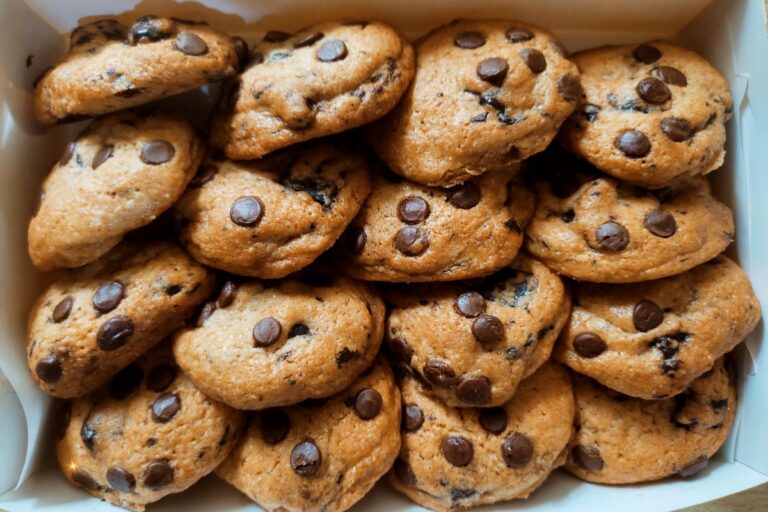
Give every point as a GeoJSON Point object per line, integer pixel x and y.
{"type": "Point", "coordinates": [92, 322]}
{"type": "Point", "coordinates": [406, 232]}
{"type": "Point", "coordinates": [150, 433]}
{"type": "Point", "coordinates": [326, 79]}
{"type": "Point", "coordinates": [486, 95]}
{"type": "Point", "coordinates": [118, 175]}
{"type": "Point", "coordinates": [268, 218]}
{"type": "Point", "coordinates": [653, 113]}
{"type": "Point", "coordinates": [320, 455]}
{"type": "Point", "coordinates": [267, 344]}
{"type": "Point", "coordinates": [110, 67]}
{"type": "Point", "coordinates": [455, 458]}
{"type": "Point", "coordinates": [592, 227]}
{"type": "Point", "coordinates": [650, 340]}
{"type": "Point", "coordinates": [502, 328]}
{"type": "Point", "coordinates": [623, 440]}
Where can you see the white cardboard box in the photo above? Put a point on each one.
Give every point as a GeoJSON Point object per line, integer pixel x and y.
{"type": "Point", "coordinates": [730, 33]}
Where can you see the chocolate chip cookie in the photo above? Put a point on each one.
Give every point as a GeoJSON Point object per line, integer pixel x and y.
{"type": "Point", "coordinates": [653, 113]}
{"type": "Point", "coordinates": [592, 227]}
{"type": "Point", "coordinates": [325, 79]}
{"type": "Point", "coordinates": [110, 67]}
{"type": "Point", "coordinates": [455, 458]}
{"type": "Point", "coordinates": [320, 455]}
{"type": "Point", "coordinates": [650, 340]}
{"type": "Point", "coordinates": [270, 217]}
{"type": "Point", "coordinates": [148, 434]}
{"type": "Point", "coordinates": [267, 344]}
{"type": "Point", "coordinates": [408, 232]}
{"type": "Point", "coordinates": [486, 95]}
{"type": "Point", "coordinates": [502, 328]}
{"type": "Point", "coordinates": [93, 322]}
{"type": "Point", "coordinates": [118, 175]}
{"type": "Point", "coordinates": [623, 440]}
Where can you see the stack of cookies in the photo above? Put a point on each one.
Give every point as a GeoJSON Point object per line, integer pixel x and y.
{"type": "Point", "coordinates": [464, 308]}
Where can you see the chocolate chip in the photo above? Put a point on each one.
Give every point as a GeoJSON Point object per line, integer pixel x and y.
{"type": "Point", "coordinates": [84, 480]}
{"type": "Point", "coordinates": [62, 309]}
{"type": "Point", "coordinates": [488, 330]}
{"type": "Point", "coordinates": [653, 90]}
{"type": "Point", "coordinates": [661, 223]}
{"type": "Point", "coordinates": [157, 474]}
{"type": "Point", "coordinates": [400, 350]}
{"type": "Point", "coordinates": [439, 373]}
{"type": "Point", "coordinates": [671, 76]}
{"type": "Point", "coordinates": [205, 312]}
{"type": "Point", "coordinates": [493, 419]}
{"type": "Point", "coordinates": [88, 434]}
{"type": "Point", "coordinates": [156, 152]}
{"type": "Point", "coordinates": [588, 344]}
{"type": "Point", "coordinates": [147, 29]}
{"type": "Point", "coordinates": [241, 50]}
{"type": "Point", "coordinates": [457, 450]}
{"type": "Point", "coordinates": [355, 240]}
{"type": "Point", "coordinates": [464, 196]}
{"type": "Point", "coordinates": [474, 389]}
{"type": "Point", "coordinates": [191, 44]}
{"type": "Point", "coordinates": [346, 356]}
{"type": "Point", "coordinates": [49, 369]}
{"type": "Point", "coordinates": [165, 407]}
{"type": "Point", "coordinates": [612, 236]}
{"type": "Point", "coordinates": [647, 315]}
{"type": "Point", "coordinates": [646, 54]}
{"type": "Point", "coordinates": [518, 35]}
{"type": "Point", "coordinates": [413, 210]}
{"type": "Point", "coordinates": [470, 304]}
{"type": "Point", "coordinates": [493, 70]}
{"type": "Point", "coordinates": [68, 152]}
{"type": "Point", "coordinates": [368, 404]}
{"type": "Point", "coordinates": [677, 129]}
{"type": "Point", "coordinates": [126, 382]}
{"type": "Point", "coordinates": [108, 296]}
{"type": "Point", "coordinates": [479, 118]}
{"type": "Point", "coordinates": [469, 40]}
{"type": "Point", "coordinates": [276, 36]}
{"type": "Point", "coordinates": [633, 144]}
{"type": "Point", "coordinates": [120, 479]}
{"type": "Point", "coordinates": [308, 39]}
{"type": "Point", "coordinates": [267, 331]}
{"type": "Point", "coordinates": [534, 59]}
{"type": "Point", "coordinates": [297, 330]}
{"type": "Point", "coordinates": [517, 451]}
{"type": "Point", "coordinates": [698, 464]}
{"type": "Point", "coordinates": [411, 241]}
{"type": "Point", "coordinates": [160, 377]}
{"type": "Point", "coordinates": [227, 295]}
{"type": "Point", "coordinates": [102, 155]}
{"type": "Point", "coordinates": [413, 417]}
{"type": "Point", "coordinates": [332, 50]}
{"type": "Point", "coordinates": [114, 333]}
{"type": "Point", "coordinates": [274, 425]}
{"type": "Point", "coordinates": [569, 87]}
{"type": "Point", "coordinates": [588, 457]}
{"type": "Point", "coordinates": [306, 458]}
{"type": "Point", "coordinates": [403, 472]}
{"type": "Point", "coordinates": [247, 211]}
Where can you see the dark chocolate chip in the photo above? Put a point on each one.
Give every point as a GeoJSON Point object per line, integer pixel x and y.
{"type": "Point", "coordinates": [588, 344]}
{"type": "Point", "coordinates": [205, 173]}
{"type": "Point", "coordinates": [474, 389]}
{"type": "Point", "coordinates": [493, 419]}
{"type": "Point", "coordinates": [67, 155]}
{"type": "Point", "coordinates": [588, 457]}
{"type": "Point", "coordinates": [647, 315]}
{"type": "Point", "coordinates": [671, 76]}
{"type": "Point", "coordinates": [368, 404]}
{"type": "Point", "coordinates": [464, 196]}
{"type": "Point", "coordinates": [457, 450]}
{"type": "Point", "coordinates": [470, 304]}
{"type": "Point", "coordinates": [308, 39]}
{"type": "Point", "coordinates": [276, 36]}
{"type": "Point", "coordinates": [493, 70]}
{"type": "Point", "coordinates": [157, 474]}
{"type": "Point", "coordinates": [156, 152]}
{"type": "Point", "coordinates": [227, 294]}
{"type": "Point", "coordinates": [479, 118]}
{"type": "Point", "coordinates": [534, 59]}
{"type": "Point", "coordinates": [469, 40]}
{"type": "Point", "coordinates": [274, 425]}
{"type": "Point", "coordinates": [160, 377]}
{"type": "Point", "coordinates": [404, 473]}
{"type": "Point", "coordinates": [661, 223]}
{"type": "Point", "coordinates": [165, 407]}
{"type": "Point", "coordinates": [62, 309]}
{"type": "Point", "coordinates": [646, 54]}
{"type": "Point", "coordinates": [102, 155]}
{"type": "Point", "coordinates": [633, 144]}
{"type": "Point", "coordinates": [612, 236]}
{"type": "Point", "coordinates": [677, 129]}
{"type": "Point", "coordinates": [114, 333]}
{"type": "Point", "coordinates": [247, 211]}
{"type": "Point", "coordinates": [297, 330]}
{"type": "Point", "coordinates": [346, 356]}
{"type": "Point", "coordinates": [332, 50]}
{"type": "Point", "coordinates": [205, 312]}
{"type": "Point", "coordinates": [411, 241]}
{"type": "Point", "coordinates": [488, 330]}
{"type": "Point", "coordinates": [120, 479]}
{"type": "Point", "coordinates": [439, 373]}
{"type": "Point", "coordinates": [126, 382]}
{"type": "Point", "coordinates": [267, 331]}
{"type": "Point", "coordinates": [84, 480]}
{"type": "Point", "coordinates": [413, 417]}
{"type": "Point", "coordinates": [88, 434]}
{"type": "Point", "coordinates": [191, 44]}
{"type": "Point", "coordinates": [413, 210]}
{"type": "Point", "coordinates": [108, 296]}
{"type": "Point", "coordinates": [49, 369]}
{"type": "Point", "coordinates": [306, 458]}
{"type": "Point", "coordinates": [694, 467]}
{"type": "Point", "coordinates": [147, 29]}
{"type": "Point", "coordinates": [355, 240]}
{"type": "Point", "coordinates": [518, 35]}
{"type": "Point", "coordinates": [517, 451]}
{"type": "Point", "coordinates": [570, 87]}
{"type": "Point", "coordinates": [653, 90]}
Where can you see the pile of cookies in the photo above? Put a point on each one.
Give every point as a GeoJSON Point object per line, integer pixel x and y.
{"type": "Point", "coordinates": [539, 304]}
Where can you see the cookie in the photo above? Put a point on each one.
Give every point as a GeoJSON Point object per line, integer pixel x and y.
{"type": "Point", "coordinates": [650, 340]}
{"type": "Point", "coordinates": [486, 95]}
{"type": "Point", "coordinates": [325, 79]}
{"type": "Point", "coordinates": [268, 218]}
{"type": "Point", "coordinates": [150, 433]}
{"type": "Point", "coordinates": [623, 440]}
{"type": "Point", "coordinates": [91, 323]}
{"type": "Point", "coordinates": [592, 227]}
{"type": "Point", "coordinates": [268, 344]}
{"type": "Point", "coordinates": [110, 67]}
{"type": "Point", "coordinates": [502, 328]}
{"type": "Point", "coordinates": [653, 113]}
{"type": "Point", "coordinates": [406, 232]}
{"type": "Point", "coordinates": [116, 176]}
{"type": "Point", "coordinates": [460, 458]}
{"type": "Point", "coordinates": [320, 455]}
